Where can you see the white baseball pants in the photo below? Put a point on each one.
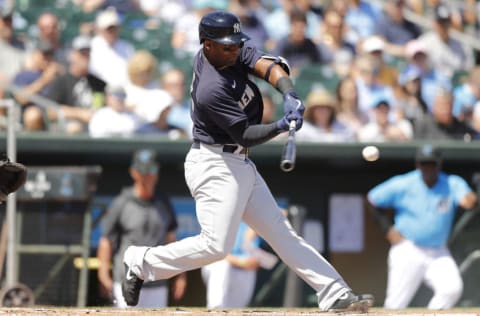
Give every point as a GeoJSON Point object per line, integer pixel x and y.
{"type": "Point", "coordinates": [409, 265]}
{"type": "Point", "coordinates": [228, 188]}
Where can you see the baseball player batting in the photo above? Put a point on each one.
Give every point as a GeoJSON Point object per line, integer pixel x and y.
{"type": "Point", "coordinates": [227, 188]}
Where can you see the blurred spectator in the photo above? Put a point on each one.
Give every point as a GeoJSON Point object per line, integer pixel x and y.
{"type": "Point", "coordinates": [109, 53]}
{"type": "Point", "coordinates": [269, 108]}
{"type": "Point", "coordinates": [446, 54]}
{"type": "Point", "coordinates": [49, 32]}
{"type": "Point", "coordinates": [321, 124]}
{"type": "Point", "coordinates": [173, 82]}
{"type": "Point", "coordinates": [394, 29]}
{"type": "Point", "coordinates": [78, 92]}
{"type": "Point", "coordinates": [36, 78]}
{"type": "Point", "coordinates": [349, 113]}
{"type": "Point", "coordinates": [427, 8]}
{"type": "Point", "coordinates": [366, 73]}
{"type": "Point", "coordinates": [278, 23]}
{"type": "Point", "coordinates": [470, 17]}
{"type": "Point", "coordinates": [143, 95]}
{"type": "Point", "coordinates": [382, 128]}
{"type": "Point", "coordinates": [165, 10]}
{"type": "Point", "coordinates": [296, 47]}
{"type": "Point", "coordinates": [142, 69]}
{"type": "Point", "coordinates": [361, 18]}
{"type": "Point", "coordinates": [121, 6]}
{"type": "Point", "coordinates": [442, 124]}
{"type": "Point", "coordinates": [339, 6]}
{"type": "Point", "coordinates": [466, 96]}
{"type": "Point", "coordinates": [158, 124]}
{"type": "Point", "coordinates": [12, 54]}
{"type": "Point", "coordinates": [7, 32]}
{"type": "Point", "coordinates": [374, 46]}
{"type": "Point", "coordinates": [331, 42]}
{"type": "Point", "coordinates": [185, 41]}
{"type": "Point", "coordinates": [410, 101]}
{"type": "Point", "coordinates": [476, 117]}
{"type": "Point", "coordinates": [431, 80]}
{"type": "Point", "coordinates": [251, 24]}
{"type": "Point", "coordinates": [114, 119]}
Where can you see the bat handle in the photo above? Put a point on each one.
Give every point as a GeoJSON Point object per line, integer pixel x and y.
{"type": "Point", "coordinates": [292, 125]}
{"type": "Point", "coordinates": [288, 157]}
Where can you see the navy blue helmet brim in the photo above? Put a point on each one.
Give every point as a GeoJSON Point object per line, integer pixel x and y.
{"type": "Point", "coordinates": [232, 39]}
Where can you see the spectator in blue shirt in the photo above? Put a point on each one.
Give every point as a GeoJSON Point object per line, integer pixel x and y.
{"type": "Point", "coordinates": [361, 18]}
{"type": "Point", "coordinates": [296, 47]}
{"type": "Point", "coordinates": [36, 78]}
{"type": "Point", "coordinates": [424, 202]}
{"type": "Point", "coordinates": [278, 21]}
{"type": "Point", "coordinates": [432, 80]}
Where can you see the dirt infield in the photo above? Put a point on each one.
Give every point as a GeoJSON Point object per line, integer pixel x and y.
{"type": "Point", "coordinates": [240, 312]}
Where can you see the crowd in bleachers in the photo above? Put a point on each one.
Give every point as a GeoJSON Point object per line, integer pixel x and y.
{"type": "Point", "coordinates": [366, 72]}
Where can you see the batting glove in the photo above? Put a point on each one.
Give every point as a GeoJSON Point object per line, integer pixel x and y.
{"type": "Point", "coordinates": [292, 103]}
{"type": "Point", "coordinates": [284, 123]}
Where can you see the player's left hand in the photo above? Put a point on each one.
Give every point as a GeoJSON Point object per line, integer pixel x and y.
{"type": "Point", "coordinates": [292, 103]}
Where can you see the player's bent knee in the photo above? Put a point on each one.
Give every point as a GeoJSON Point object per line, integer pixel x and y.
{"type": "Point", "coordinates": [217, 254]}
{"type": "Point", "coordinates": [215, 250]}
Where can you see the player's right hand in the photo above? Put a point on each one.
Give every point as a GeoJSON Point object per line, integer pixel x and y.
{"type": "Point", "coordinates": [284, 123]}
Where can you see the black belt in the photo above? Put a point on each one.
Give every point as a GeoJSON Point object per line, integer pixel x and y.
{"type": "Point", "coordinates": [226, 148]}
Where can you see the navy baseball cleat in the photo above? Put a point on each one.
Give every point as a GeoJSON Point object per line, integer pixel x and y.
{"type": "Point", "coordinates": [131, 286]}
{"type": "Point", "coordinates": [352, 302]}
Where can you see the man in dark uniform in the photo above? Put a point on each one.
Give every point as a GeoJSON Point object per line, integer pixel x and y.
{"type": "Point", "coordinates": [227, 111]}
{"type": "Point", "coordinates": [138, 216]}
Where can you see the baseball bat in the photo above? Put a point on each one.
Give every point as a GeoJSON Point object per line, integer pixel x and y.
{"type": "Point", "coordinates": [289, 150]}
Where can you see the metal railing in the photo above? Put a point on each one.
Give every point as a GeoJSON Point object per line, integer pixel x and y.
{"type": "Point", "coordinates": [11, 199]}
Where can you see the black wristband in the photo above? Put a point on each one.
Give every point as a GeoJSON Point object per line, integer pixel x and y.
{"type": "Point", "coordinates": [284, 85]}
{"type": "Point", "coordinates": [267, 73]}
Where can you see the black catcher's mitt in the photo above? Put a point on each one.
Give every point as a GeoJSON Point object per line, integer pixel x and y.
{"type": "Point", "coordinates": [12, 176]}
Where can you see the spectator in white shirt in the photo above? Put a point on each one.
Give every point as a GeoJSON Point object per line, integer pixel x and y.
{"type": "Point", "coordinates": [321, 124]}
{"type": "Point", "coordinates": [114, 119]}
{"type": "Point", "coordinates": [382, 128]}
{"type": "Point", "coordinates": [144, 97]}
{"type": "Point", "coordinates": [109, 53]}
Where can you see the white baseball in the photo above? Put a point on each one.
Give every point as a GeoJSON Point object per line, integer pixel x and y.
{"type": "Point", "coordinates": [370, 153]}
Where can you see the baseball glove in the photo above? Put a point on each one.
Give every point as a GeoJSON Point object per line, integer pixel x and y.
{"type": "Point", "coordinates": [12, 176]}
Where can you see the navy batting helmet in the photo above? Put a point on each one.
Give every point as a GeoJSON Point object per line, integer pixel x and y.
{"type": "Point", "coordinates": [221, 27]}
